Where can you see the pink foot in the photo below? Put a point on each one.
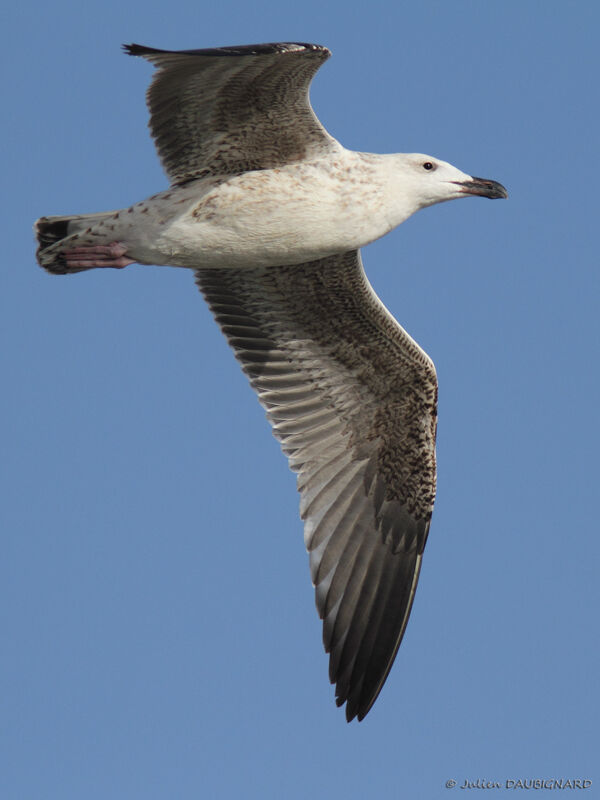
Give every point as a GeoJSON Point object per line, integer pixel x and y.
{"type": "Point", "coordinates": [111, 255]}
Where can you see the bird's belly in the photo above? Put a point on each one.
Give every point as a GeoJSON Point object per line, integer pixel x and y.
{"type": "Point", "coordinates": [268, 217]}
{"type": "Point", "coordinates": [247, 241]}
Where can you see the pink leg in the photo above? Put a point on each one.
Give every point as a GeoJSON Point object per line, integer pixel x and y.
{"type": "Point", "coordinates": [111, 255]}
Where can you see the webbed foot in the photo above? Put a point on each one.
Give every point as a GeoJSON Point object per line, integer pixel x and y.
{"type": "Point", "coordinates": [87, 257]}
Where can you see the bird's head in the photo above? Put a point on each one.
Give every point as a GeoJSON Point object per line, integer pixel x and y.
{"type": "Point", "coordinates": [434, 181]}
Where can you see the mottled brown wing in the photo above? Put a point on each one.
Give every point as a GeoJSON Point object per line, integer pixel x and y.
{"type": "Point", "coordinates": [352, 399]}
{"type": "Point", "coordinates": [233, 109]}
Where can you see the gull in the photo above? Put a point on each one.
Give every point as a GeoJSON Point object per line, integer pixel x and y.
{"type": "Point", "coordinates": [270, 212]}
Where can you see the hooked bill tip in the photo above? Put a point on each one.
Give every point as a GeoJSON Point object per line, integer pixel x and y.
{"type": "Point", "coordinates": [483, 187]}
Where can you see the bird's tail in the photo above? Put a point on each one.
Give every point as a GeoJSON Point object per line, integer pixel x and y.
{"type": "Point", "coordinates": [56, 234]}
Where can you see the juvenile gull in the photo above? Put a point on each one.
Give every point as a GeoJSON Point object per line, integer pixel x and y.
{"type": "Point", "coordinates": [270, 211]}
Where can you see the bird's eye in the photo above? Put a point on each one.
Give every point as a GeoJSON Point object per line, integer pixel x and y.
{"type": "Point", "coordinates": [428, 165]}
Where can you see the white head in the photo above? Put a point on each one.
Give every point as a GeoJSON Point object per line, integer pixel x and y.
{"type": "Point", "coordinates": [418, 181]}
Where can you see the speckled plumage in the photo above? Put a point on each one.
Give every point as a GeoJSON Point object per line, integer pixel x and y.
{"type": "Point", "coordinates": [270, 211]}
{"type": "Point", "coordinates": [234, 109]}
{"type": "Point", "coordinates": [352, 400]}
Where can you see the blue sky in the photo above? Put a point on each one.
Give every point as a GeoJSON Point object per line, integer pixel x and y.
{"type": "Point", "coordinates": [160, 637]}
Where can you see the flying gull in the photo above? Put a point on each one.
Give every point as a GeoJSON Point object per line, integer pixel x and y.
{"type": "Point", "coordinates": [270, 212]}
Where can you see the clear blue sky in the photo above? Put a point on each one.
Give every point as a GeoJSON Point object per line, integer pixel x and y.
{"type": "Point", "coordinates": [159, 632]}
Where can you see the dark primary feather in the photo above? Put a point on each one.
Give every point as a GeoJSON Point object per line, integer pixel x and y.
{"type": "Point", "coordinates": [233, 109]}
{"type": "Point", "coordinates": [352, 400]}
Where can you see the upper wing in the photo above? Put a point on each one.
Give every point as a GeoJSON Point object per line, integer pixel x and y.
{"type": "Point", "coordinates": [233, 109]}
{"type": "Point", "coordinates": [352, 398]}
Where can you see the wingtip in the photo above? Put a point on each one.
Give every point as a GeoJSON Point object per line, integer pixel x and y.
{"type": "Point", "coordinates": [135, 49]}
{"type": "Point", "coordinates": [354, 710]}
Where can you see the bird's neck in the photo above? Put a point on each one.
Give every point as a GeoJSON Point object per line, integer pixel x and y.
{"type": "Point", "coordinates": [397, 197]}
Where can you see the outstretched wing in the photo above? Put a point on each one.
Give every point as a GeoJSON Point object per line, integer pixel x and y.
{"type": "Point", "coordinates": [352, 399]}
{"type": "Point", "coordinates": [233, 109]}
